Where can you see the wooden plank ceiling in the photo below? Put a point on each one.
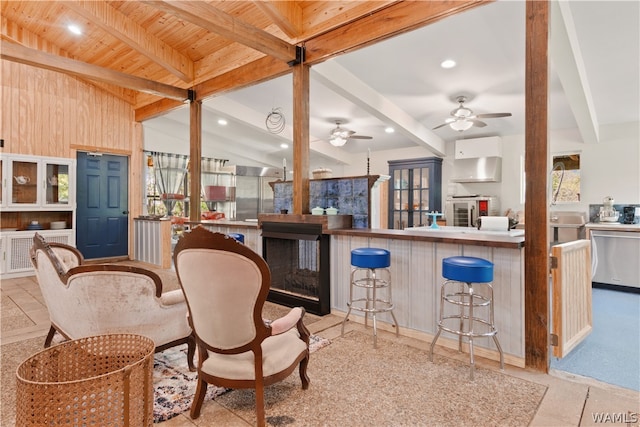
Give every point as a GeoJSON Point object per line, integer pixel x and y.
{"type": "Point", "coordinates": [167, 47]}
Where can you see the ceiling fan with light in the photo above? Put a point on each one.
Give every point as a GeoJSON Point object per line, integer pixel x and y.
{"type": "Point", "coordinates": [339, 136]}
{"type": "Point", "coordinates": [463, 118]}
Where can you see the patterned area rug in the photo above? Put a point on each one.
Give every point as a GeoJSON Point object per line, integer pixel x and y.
{"type": "Point", "coordinates": [175, 385]}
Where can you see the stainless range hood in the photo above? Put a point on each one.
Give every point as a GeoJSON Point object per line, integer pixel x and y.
{"type": "Point", "coordinates": [482, 169]}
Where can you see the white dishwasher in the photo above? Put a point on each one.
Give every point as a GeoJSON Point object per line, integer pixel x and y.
{"type": "Point", "coordinates": [616, 257]}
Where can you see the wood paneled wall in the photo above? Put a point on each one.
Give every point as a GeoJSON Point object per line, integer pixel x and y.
{"type": "Point", "coordinates": [46, 113]}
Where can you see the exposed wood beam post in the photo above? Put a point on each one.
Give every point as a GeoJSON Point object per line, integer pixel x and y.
{"type": "Point", "coordinates": [24, 55]}
{"type": "Point", "coordinates": [195, 156]}
{"type": "Point", "coordinates": [300, 139]}
{"type": "Point", "coordinates": [536, 268]}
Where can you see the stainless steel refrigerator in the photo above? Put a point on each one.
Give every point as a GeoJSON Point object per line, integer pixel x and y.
{"type": "Point", "coordinates": [254, 195]}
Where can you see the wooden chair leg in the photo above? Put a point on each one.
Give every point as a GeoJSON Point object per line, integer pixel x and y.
{"type": "Point", "coordinates": [198, 398]}
{"type": "Point", "coordinates": [260, 412]}
{"type": "Point", "coordinates": [191, 351]}
{"type": "Point", "coordinates": [47, 341]}
{"type": "Point", "coordinates": [303, 372]}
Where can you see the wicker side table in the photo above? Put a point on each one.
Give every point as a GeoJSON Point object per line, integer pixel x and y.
{"type": "Point", "coordinates": [104, 380]}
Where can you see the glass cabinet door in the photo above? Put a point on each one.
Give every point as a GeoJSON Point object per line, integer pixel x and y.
{"type": "Point", "coordinates": [56, 184]}
{"type": "Point", "coordinates": [415, 190]}
{"type": "Point", "coordinates": [24, 182]}
{"type": "Point", "coordinates": [401, 199]}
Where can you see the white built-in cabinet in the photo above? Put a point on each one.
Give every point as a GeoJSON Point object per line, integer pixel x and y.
{"type": "Point", "coordinates": [34, 189]}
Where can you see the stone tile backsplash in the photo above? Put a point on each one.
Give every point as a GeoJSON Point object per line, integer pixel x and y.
{"type": "Point", "coordinates": [594, 212]}
{"type": "Point", "coordinates": [349, 195]}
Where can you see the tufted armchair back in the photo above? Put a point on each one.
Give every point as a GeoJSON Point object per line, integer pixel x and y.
{"type": "Point", "coordinates": [94, 299]}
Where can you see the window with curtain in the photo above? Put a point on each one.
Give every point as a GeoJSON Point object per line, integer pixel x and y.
{"type": "Point", "coordinates": [165, 183]}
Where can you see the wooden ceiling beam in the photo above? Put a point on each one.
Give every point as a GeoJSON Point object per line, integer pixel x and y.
{"type": "Point", "coordinates": [156, 109]}
{"type": "Point", "coordinates": [287, 15]}
{"type": "Point", "coordinates": [129, 32]}
{"type": "Point", "coordinates": [395, 19]}
{"type": "Point", "coordinates": [12, 33]}
{"type": "Point", "coordinates": [218, 22]}
{"type": "Point", "coordinates": [252, 73]}
{"type": "Point", "coordinates": [255, 72]}
{"type": "Point", "coordinates": [24, 55]}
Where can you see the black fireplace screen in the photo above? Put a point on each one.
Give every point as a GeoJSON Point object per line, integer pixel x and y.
{"type": "Point", "coordinates": [298, 257]}
{"type": "Point", "coordinates": [294, 266]}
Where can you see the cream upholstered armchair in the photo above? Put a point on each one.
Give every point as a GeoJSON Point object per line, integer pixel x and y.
{"type": "Point", "coordinates": [85, 300]}
{"type": "Point", "coordinates": [226, 285]}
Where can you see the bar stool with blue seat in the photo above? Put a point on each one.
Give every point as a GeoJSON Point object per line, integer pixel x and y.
{"type": "Point", "coordinates": [370, 271]}
{"type": "Point", "coordinates": [238, 236]}
{"type": "Point", "coordinates": [467, 272]}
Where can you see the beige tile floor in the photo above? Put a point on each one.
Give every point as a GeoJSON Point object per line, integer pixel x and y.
{"type": "Point", "coordinates": [569, 401]}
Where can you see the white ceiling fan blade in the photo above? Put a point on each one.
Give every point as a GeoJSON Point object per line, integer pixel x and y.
{"type": "Point", "coordinates": [439, 126]}
{"type": "Point", "coordinates": [360, 137]}
{"type": "Point", "coordinates": [478, 123]}
{"type": "Point", "coordinates": [492, 115]}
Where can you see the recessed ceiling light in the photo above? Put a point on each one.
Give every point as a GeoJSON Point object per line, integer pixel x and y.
{"type": "Point", "coordinates": [74, 29]}
{"type": "Point", "coordinates": [448, 63]}
{"type": "Point", "coordinates": [283, 145]}
{"type": "Point", "coordinates": [389, 129]}
{"type": "Point", "coordinates": [222, 122]}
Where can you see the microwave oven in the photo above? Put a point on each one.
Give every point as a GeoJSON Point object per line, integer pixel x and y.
{"type": "Point", "coordinates": [463, 211]}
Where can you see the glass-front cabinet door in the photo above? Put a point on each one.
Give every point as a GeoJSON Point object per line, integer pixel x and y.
{"type": "Point", "coordinates": [415, 190]}
{"type": "Point", "coordinates": [56, 183]}
{"type": "Point", "coordinates": [39, 182]}
{"type": "Point", "coordinates": [23, 188]}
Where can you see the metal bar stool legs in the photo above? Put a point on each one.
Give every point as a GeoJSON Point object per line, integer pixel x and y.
{"type": "Point", "coordinates": [370, 272]}
{"type": "Point", "coordinates": [467, 272]}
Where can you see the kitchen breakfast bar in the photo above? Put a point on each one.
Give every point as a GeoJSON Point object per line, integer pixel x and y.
{"type": "Point", "coordinates": [416, 273]}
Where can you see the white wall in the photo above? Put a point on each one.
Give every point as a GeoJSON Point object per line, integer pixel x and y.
{"type": "Point", "coordinates": [610, 167]}
{"type": "Point", "coordinates": [378, 162]}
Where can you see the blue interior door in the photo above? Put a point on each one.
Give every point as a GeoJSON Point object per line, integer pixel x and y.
{"type": "Point", "coordinates": [102, 221]}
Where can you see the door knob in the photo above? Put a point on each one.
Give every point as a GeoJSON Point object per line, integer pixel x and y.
{"type": "Point", "coordinates": [125, 212]}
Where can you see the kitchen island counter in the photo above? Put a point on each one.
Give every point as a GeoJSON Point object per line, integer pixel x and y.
{"type": "Point", "coordinates": [225, 223]}
{"type": "Point", "coordinates": [416, 276]}
{"type": "Point", "coordinates": [249, 229]}
{"type": "Point", "coordinates": [513, 239]}
{"type": "Point", "coordinates": [612, 226]}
